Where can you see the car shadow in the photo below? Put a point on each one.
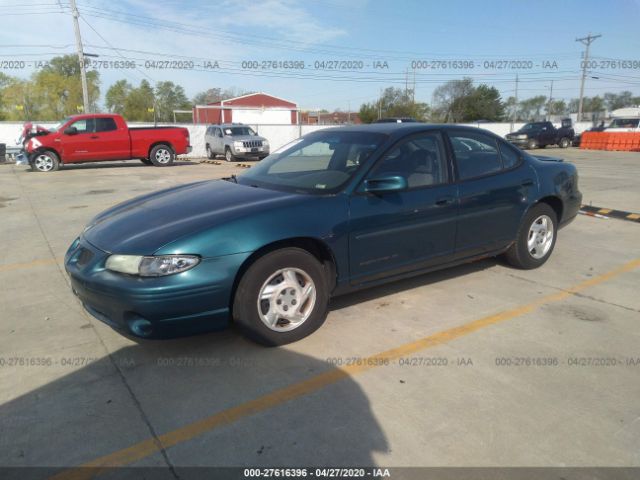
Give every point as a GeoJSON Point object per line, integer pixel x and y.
{"type": "Point", "coordinates": [119, 400]}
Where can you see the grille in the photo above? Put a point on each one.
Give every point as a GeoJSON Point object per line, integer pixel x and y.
{"type": "Point", "coordinates": [252, 143]}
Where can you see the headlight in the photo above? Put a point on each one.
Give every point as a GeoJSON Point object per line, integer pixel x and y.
{"type": "Point", "coordinates": [155, 266]}
{"type": "Point", "coordinates": [265, 143]}
{"type": "Point", "coordinates": [237, 144]}
{"type": "Point", "coordinates": [522, 136]}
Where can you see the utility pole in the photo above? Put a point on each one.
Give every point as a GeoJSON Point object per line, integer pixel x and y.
{"type": "Point", "coordinates": [515, 106]}
{"type": "Point", "coordinates": [588, 40]}
{"type": "Point", "coordinates": [83, 73]}
{"type": "Point", "coordinates": [549, 104]}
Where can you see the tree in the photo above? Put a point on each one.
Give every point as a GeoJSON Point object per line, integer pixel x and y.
{"type": "Point", "coordinates": [557, 107]}
{"type": "Point", "coordinates": [623, 99]}
{"type": "Point", "coordinates": [446, 100]}
{"type": "Point", "coordinates": [482, 103]}
{"type": "Point", "coordinates": [213, 95]}
{"type": "Point", "coordinates": [169, 97]}
{"type": "Point", "coordinates": [394, 102]}
{"type": "Point", "coordinates": [116, 97]}
{"type": "Point", "coordinates": [138, 103]}
{"type": "Point", "coordinates": [531, 108]}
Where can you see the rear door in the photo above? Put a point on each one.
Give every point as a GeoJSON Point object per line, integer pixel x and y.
{"type": "Point", "coordinates": [110, 142]}
{"type": "Point", "coordinates": [494, 189]}
{"type": "Point", "coordinates": [397, 232]}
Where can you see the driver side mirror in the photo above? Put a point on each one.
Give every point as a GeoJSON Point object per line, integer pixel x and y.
{"type": "Point", "coordinates": [70, 131]}
{"type": "Point", "coordinates": [391, 183]}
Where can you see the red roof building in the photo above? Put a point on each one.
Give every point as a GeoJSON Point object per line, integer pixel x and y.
{"type": "Point", "coordinates": [254, 108]}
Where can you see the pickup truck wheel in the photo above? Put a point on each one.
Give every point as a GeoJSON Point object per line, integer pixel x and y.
{"type": "Point", "coordinates": [564, 142]}
{"type": "Point", "coordinates": [228, 156]}
{"type": "Point", "coordinates": [210, 154]}
{"type": "Point", "coordinates": [162, 155]}
{"type": "Point", "coordinates": [146, 161]}
{"type": "Point", "coordinates": [531, 144]}
{"type": "Point", "coordinates": [45, 162]}
{"type": "Point", "coordinates": [536, 238]}
{"type": "Point", "coordinates": [282, 297]}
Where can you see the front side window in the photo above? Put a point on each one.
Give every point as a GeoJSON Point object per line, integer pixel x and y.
{"type": "Point", "coordinates": [84, 126]}
{"type": "Point", "coordinates": [476, 154]}
{"type": "Point", "coordinates": [421, 160]}
{"type": "Point", "coordinates": [321, 162]}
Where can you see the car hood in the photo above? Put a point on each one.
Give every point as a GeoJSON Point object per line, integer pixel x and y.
{"type": "Point", "coordinates": [144, 224]}
{"type": "Point", "coordinates": [245, 138]}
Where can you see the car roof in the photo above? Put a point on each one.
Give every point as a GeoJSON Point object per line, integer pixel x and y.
{"type": "Point", "coordinates": [401, 128]}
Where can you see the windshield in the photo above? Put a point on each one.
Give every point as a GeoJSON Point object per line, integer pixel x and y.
{"type": "Point", "coordinates": [239, 131]}
{"type": "Point", "coordinates": [321, 162]}
{"type": "Point", "coordinates": [624, 123]}
{"type": "Point", "coordinates": [59, 124]}
{"type": "Point", "coordinates": [531, 126]}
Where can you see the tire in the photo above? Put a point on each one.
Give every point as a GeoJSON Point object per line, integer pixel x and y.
{"type": "Point", "coordinates": [45, 162]}
{"type": "Point", "coordinates": [146, 161]}
{"type": "Point", "coordinates": [564, 142]}
{"type": "Point", "coordinates": [282, 276]}
{"type": "Point", "coordinates": [210, 154]}
{"type": "Point", "coordinates": [162, 155]}
{"type": "Point", "coordinates": [536, 238]}
{"type": "Point", "coordinates": [228, 156]}
{"type": "Point", "coordinates": [531, 144]}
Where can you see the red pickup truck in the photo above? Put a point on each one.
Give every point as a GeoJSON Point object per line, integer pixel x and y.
{"type": "Point", "coordinates": [105, 137]}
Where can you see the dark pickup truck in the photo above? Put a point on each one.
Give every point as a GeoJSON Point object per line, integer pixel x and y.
{"type": "Point", "coordinates": [541, 134]}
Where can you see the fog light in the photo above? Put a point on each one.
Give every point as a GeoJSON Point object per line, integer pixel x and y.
{"type": "Point", "coordinates": [140, 327]}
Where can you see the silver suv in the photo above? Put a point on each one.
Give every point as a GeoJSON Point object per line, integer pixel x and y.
{"type": "Point", "coordinates": [234, 141]}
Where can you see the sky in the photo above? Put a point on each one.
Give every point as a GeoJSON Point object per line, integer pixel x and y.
{"type": "Point", "coordinates": [335, 54]}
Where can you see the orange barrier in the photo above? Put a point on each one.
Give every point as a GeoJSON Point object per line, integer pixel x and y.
{"type": "Point", "coordinates": [613, 141]}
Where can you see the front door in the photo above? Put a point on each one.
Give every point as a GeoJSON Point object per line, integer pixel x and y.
{"type": "Point", "coordinates": [77, 147]}
{"type": "Point", "coordinates": [399, 232]}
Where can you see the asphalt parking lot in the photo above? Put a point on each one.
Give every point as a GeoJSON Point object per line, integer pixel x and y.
{"type": "Point", "coordinates": [480, 365]}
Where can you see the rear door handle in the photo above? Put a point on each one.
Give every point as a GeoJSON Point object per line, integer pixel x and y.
{"type": "Point", "coordinates": [444, 201]}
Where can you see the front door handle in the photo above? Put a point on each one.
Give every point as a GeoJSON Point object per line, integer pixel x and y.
{"type": "Point", "coordinates": [94, 136]}
{"type": "Point", "coordinates": [444, 201]}
{"type": "Point", "coordinates": [527, 183]}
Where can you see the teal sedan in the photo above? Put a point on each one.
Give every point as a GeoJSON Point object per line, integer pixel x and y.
{"type": "Point", "coordinates": [335, 211]}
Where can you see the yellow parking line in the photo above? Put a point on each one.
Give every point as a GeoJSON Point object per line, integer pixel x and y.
{"type": "Point", "coordinates": [633, 216]}
{"type": "Point", "coordinates": [148, 447]}
{"type": "Point", "coordinates": [604, 211]}
{"type": "Point", "coordinates": [35, 263]}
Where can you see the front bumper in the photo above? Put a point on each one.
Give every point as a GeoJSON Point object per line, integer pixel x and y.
{"type": "Point", "coordinates": [246, 152]}
{"type": "Point", "coordinates": [190, 302]}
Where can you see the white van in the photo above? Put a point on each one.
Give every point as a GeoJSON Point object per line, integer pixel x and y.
{"type": "Point", "coordinates": [625, 120]}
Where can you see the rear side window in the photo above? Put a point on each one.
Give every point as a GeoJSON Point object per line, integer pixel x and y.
{"type": "Point", "coordinates": [105, 125]}
{"type": "Point", "coordinates": [476, 154]}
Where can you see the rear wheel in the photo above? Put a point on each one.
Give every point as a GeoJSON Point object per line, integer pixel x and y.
{"type": "Point", "coordinates": [536, 238]}
{"type": "Point", "coordinates": [162, 155]}
{"type": "Point", "coordinates": [282, 297]}
{"type": "Point", "coordinates": [228, 156]}
{"type": "Point", "coordinates": [564, 142]}
{"type": "Point", "coordinates": [46, 161]}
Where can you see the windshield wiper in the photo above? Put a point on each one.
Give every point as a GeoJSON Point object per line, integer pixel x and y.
{"type": "Point", "coordinates": [232, 178]}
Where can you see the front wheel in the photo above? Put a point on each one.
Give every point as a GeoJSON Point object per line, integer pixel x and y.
{"type": "Point", "coordinates": [536, 238]}
{"type": "Point", "coordinates": [162, 155]}
{"type": "Point", "coordinates": [228, 156]}
{"type": "Point", "coordinates": [531, 144]}
{"type": "Point", "coordinates": [282, 297]}
{"type": "Point", "coordinates": [45, 162]}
